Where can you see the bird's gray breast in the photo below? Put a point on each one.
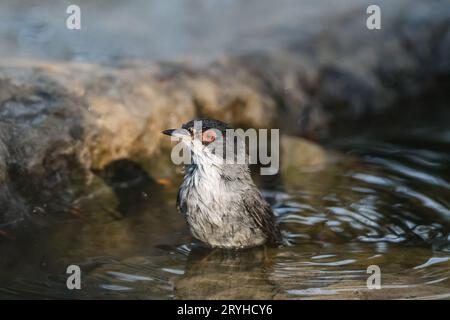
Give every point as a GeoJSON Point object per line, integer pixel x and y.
{"type": "Point", "coordinates": [214, 210]}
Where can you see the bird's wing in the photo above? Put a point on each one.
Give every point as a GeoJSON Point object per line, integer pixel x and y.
{"type": "Point", "coordinates": [179, 206]}
{"type": "Point", "coordinates": [261, 213]}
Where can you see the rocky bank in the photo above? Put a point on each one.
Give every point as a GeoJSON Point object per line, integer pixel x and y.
{"type": "Point", "coordinates": [58, 120]}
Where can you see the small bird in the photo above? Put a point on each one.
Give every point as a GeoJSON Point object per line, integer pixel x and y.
{"type": "Point", "coordinates": [222, 205]}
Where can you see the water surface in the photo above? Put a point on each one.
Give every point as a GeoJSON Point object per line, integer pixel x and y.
{"type": "Point", "coordinates": [385, 203]}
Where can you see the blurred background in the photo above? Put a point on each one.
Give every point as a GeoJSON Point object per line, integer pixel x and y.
{"type": "Point", "coordinates": [194, 30]}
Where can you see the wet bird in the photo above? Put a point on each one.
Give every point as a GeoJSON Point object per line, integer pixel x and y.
{"type": "Point", "coordinates": [222, 205]}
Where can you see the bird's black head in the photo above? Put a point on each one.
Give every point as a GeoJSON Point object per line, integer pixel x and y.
{"type": "Point", "coordinates": [207, 124]}
{"type": "Point", "coordinates": [212, 134]}
{"type": "Point", "coordinates": [207, 130]}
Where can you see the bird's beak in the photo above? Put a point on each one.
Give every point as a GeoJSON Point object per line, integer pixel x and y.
{"type": "Point", "coordinates": [178, 133]}
{"type": "Point", "coordinates": [168, 131]}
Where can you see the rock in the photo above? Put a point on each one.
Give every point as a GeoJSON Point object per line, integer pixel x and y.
{"type": "Point", "coordinates": [301, 155]}
{"type": "Point", "coordinates": [60, 120]}
{"type": "Point", "coordinates": [43, 152]}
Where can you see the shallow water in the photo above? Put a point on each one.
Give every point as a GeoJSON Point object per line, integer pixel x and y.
{"type": "Point", "coordinates": [385, 203]}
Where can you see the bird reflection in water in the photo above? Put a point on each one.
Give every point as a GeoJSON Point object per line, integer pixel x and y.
{"type": "Point", "coordinates": [227, 274]}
